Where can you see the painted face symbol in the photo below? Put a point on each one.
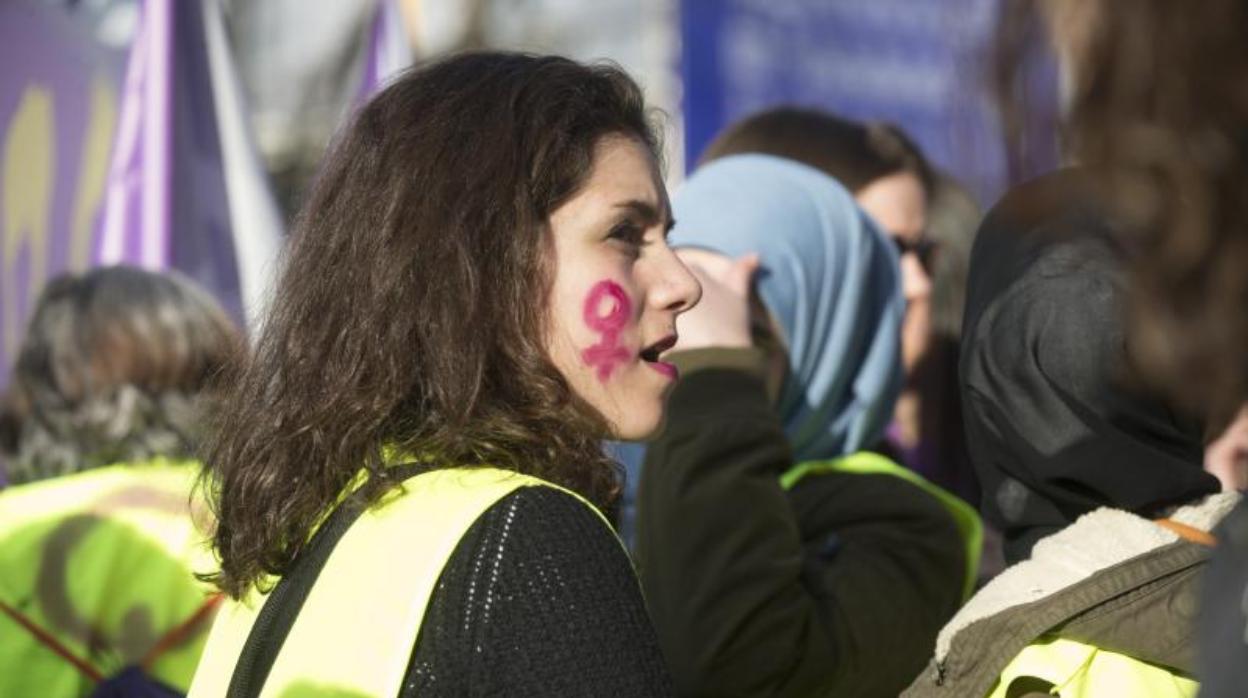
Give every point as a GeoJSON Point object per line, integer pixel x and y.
{"type": "Point", "coordinates": [607, 309]}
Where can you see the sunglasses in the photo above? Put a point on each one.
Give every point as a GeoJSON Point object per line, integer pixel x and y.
{"type": "Point", "coordinates": [924, 249]}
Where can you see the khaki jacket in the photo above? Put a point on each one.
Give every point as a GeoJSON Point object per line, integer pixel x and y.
{"type": "Point", "coordinates": [1111, 580]}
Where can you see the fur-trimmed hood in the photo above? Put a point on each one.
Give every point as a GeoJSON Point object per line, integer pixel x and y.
{"type": "Point", "coordinates": [1095, 563]}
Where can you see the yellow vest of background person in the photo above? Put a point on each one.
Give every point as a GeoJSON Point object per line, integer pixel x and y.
{"type": "Point", "coordinates": [356, 631]}
{"type": "Point", "coordinates": [96, 574]}
{"type": "Point", "coordinates": [1078, 670]}
{"type": "Point", "coordinates": [964, 517]}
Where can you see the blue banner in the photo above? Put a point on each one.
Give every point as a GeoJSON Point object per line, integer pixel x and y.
{"type": "Point", "coordinates": [921, 64]}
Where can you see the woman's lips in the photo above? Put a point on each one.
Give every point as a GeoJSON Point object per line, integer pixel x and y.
{"type": "Point", "coordinates": [664, 368]}
{"type": "Point", "coordinates": [651, 356]}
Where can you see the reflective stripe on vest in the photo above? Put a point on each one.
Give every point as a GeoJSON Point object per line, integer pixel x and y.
{"type": "Point", "coordinates": [358, 627]}
{"type": "Point", "coordinates": [969, 527]}
{"type": "Point", "coordinates": [1076, 670]}
{"type": "Point", "coordinates": [102, 563]}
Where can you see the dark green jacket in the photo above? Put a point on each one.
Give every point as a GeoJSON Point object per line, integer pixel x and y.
{"type": "Point", "coordinates": [1111, 580]}
{"type": "Point", "coordinates": [836, 587]}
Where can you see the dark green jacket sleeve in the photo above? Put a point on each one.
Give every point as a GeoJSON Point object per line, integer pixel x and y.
{"type": "Point", "coordinates": [838, 586]}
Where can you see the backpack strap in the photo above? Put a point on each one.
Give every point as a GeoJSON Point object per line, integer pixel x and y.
{"type": "Point", "coordinates": [52, 643]}
{"type": "Point", "coordinates": [180, 632]}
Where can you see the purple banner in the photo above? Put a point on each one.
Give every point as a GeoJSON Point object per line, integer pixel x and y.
{"type": "Point", "coordinates": [156, 170]}
{"type": "Point", "coordinates": [58, 114]}
{"type": "Point", "coordinates": [387, 49]}
{"type": "Point", "coordinates": [136, 214]}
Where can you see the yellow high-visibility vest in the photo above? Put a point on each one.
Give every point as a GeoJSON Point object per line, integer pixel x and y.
{"type": "Point", "coordinates": [1077, 670]}
{"type": "Point", "coordinates": [964, 517]}
{"type": "Point", "coordinates": [100, 565]}
{"type": "Point", "coordinates": [356, 631]}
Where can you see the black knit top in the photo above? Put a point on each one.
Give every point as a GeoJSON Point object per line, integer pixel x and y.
{"type": "Point", "coordinates": [539, 598]}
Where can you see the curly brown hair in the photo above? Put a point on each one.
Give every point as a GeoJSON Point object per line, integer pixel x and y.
{"type": "Point", "coordinates": [1158, 105]}
{"type": "Point", "coordinates": [411, 312]}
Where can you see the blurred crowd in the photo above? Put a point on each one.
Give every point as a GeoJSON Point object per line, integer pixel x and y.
{"type": "Point", "coordinates": [517, 421]}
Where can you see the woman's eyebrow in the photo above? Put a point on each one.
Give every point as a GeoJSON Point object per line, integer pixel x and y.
{"type": "Point", "coordinates": [646, 211]}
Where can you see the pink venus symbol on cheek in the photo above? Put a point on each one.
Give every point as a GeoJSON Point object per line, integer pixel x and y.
{"type": "Point", "coordinates": [607, 309]}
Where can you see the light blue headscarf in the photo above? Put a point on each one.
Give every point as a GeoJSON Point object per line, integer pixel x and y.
{"type": "Point", "coordinates": [827, 275]}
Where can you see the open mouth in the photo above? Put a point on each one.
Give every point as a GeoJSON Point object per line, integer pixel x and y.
{"type": "Point", "coordinates": [652, 353]}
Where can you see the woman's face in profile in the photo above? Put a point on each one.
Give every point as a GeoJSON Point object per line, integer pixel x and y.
{"type": "Point", "coordinates": [898, 205]}
{"type": "Point", "coordinates": [617, 289]}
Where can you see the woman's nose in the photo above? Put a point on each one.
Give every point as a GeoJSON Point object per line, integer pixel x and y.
{"type": "Point", "coordinates": [915, 282]}
{"type": "Point", "coordinates": [678, 289]}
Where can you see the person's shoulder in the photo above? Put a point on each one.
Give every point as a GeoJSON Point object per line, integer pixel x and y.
{"type": "Point", "coordinates": [883, 493]}
{"type": "Point", "coordinates": [542, 533]}
{"type": "Point", "coordinates": [874, 504]}
{"type": "Point", "coordinates": [550, 515]}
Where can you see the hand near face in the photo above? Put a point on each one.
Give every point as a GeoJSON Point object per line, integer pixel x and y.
{"type": "Point", "coordinates": [722, 318]}
{"type": "Point", "coordinates": [1227, 457]}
